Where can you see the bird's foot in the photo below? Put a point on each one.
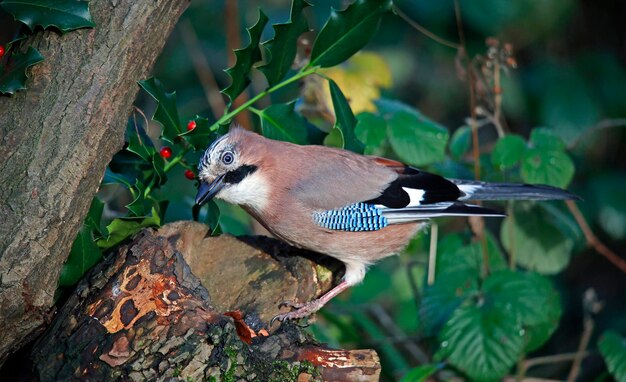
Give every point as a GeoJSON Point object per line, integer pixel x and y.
{"type": "Point", "coordinates": [300, 310]}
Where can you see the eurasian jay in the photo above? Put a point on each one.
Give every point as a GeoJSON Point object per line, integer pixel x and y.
{"type": "Point", "coordinates": [358, 209]}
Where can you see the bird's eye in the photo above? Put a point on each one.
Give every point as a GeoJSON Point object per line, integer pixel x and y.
{"type": "Point", "coordinates": [227, 158]}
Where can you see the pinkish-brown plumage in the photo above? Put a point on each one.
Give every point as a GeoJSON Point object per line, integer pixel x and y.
{"type": "Point", "coordinates": [284, 186]}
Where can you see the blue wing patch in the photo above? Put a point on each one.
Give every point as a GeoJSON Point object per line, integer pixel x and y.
{"type": "Point", "coordinates": [355, 217]}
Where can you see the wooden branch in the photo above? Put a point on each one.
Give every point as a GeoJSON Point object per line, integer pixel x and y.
{"type": "Point", "coordinates": [143, 314]}
{"type": "Point", "coordinates": [57, 137]}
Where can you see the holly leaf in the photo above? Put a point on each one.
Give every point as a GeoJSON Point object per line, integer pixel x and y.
{"type": "Point", "coordinates": [508, 151]}
{"type": "Point", "coordinates": [613, 349]}
{"type": "Point", "coordinates": [343, 135]}
{"type": "Point", "coordinates": [281, 50]}
{"type": "Point", "coordinates": [83, 255]}
{"type": "Point", "coordinates": [13, 75]}
{"type": "Point", "coordinates": [166, 113]}
{"type": "Point", "coordinates": [281, 122]}
{"type": "Point", "coordinates": [246, 58]}
{"type": "Point", "coordinates": [122, 228]}
{"type": "Point", "coordinates": [65, 15]}
{"type": "Point", "coordinates": [346, 32]}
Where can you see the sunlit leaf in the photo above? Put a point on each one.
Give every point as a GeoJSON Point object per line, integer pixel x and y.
{"type": "Point", "coordinates": [371, 130]}
{"type": "Point", "coordinates": [508, 151]}
{"type": "Point", "coordinates": [246, 58]}
{"type": "Point", "coordinates": [13, 76]}
{"type": "Point", "coordinates": [420, 373]}
{"type": "Point", "coordinates": [416, 139]}
{"type": "Point", "coordinates": [122, 228]}
{"type": "Point", "coordinates": [534, 241]}
{"type": "Point", "coordinates": [65, 15]}
{"type": "Point", "coordinates": [281, 50]}
{"type": "Point", "coordinates": [346, 32]}
{"type": "Point", "coordinates": [547, 166]}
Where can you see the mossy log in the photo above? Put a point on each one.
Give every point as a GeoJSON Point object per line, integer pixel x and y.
{"type": "Point", "coordinates": [179, 304]}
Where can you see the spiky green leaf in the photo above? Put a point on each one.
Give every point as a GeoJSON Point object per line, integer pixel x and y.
{"type": "Point", "coordinates": [65, 15]}
{"type": "Point", "coordinates": [166, 113]}
{"type": "Point", "coordinates": [13, 75]}
{"type": "Point", "coordinates": [246, 58]}
{"type": "Point", "coordinates": [281, 50]}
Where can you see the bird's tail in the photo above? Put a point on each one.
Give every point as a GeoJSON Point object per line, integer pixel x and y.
{"type": "Point", "coordinates": [475, 190]}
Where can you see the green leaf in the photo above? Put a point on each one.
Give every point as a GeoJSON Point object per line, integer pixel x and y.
{"type": "Point", "coordinates": [613, 349]}
{"type": "Point", "coordinates": [544, 138]}
{"type": "Point", "coordinates": [346, 32]}
{"type": "Point", "coordinates": [531, 298]}
{"type": "Point", "coordinates": [345, 122]}
{"type": "Point", "coordinates": [13, 75]}
{"type": "Point", "coordinates": [281, 50]}
{"type": "Point", "coordinates": [122, 228]}
{"type": "Point", "coordinates": [83, 255]}
{"type": "Point", "coordinates": [371, 130]}
{"type": "Point", "coordinates": [482, 341]}
{"type": "Point", "coordinates": [65, 15]}
{"type": "Point", "coordinates": [94, 216]}
{"type": "Point", "coordinates": [166, 113]}
{"type": "Point", "coordinates": [469, 257]}
{"type": "Point", "coordinates": [281, 122]}
{"type": "Point", "coordinates": [547, 166]}
{"type": "Point", "coordinates": [460, 142]}
{"type": "Point", "coordinates": [534, 240]}
{"type": "Point", "coordinates": [441, 299]}
{"type": "Point", "coordinates": [416, 139]}
{"type": "Point", "coordinates": [246, 58]}
{"type": "Point", "coordinates": [420, 373]}
{"type": "Point", "coordinates": [508, 151]}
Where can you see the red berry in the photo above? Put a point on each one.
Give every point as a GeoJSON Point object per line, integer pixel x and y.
{"type": "Point", "coordinates": [1, 51]}
{"type": "Point", "coordinates": [191, 125]}
{"type": "Point", "coordinates": [189, 174]}
{"type": "Point", "coordinates": [165, 152]}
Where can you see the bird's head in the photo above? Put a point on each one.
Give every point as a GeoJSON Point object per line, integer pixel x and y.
{"type": "Point", "coordinates": [228, 170]}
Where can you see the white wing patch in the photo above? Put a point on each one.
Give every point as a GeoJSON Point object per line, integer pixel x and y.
{"type": "Point", "coordinates": [416, 196]}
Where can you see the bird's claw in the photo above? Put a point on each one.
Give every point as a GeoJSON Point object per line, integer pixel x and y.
{"type": "Point", "coordinates": [291, 304]}
{"type": "Point", "coordinates": [301, 310]}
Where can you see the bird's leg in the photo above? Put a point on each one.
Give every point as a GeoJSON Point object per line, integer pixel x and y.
{"type": "Point", "coordinates": [304, 310]}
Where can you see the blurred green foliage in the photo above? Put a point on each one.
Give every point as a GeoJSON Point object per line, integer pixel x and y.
{"type": "Point", "coordinates": [561, 119]}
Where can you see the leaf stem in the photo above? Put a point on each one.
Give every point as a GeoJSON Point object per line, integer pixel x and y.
{"type": "Point", "coordinates": [301, 74]}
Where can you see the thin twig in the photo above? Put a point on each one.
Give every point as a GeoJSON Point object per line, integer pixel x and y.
{"type": "Point", "coordinates": [203, 70]}
{"type": "Point", "coordinates": [423, 30]}
{"type": "Point", "coordinates": [432, 255]}
{"type": "Point", "coordinates": [604, 124]}
{"type": "Point", "coordinates": [582, 347]}
{"type": "Point", "coordinates": [477, 223]}
{"type": "Point", "coordinates": [556, 358]}
{"type": "Point", "coordinates": [391, 328]}
{"type": "Point", "coordinates": [497, 96]}
{"type": "Point", "coordinates": [592, 239]}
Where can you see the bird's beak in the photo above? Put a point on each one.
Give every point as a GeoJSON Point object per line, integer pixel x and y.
{"type": "Point", "coordinates": [207, 191]}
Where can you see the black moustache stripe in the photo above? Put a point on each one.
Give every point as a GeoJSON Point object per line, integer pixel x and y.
{"type": "Point", "coordinates": [236, 176]}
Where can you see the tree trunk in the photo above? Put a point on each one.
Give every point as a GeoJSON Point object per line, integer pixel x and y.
{"type": "Point", "coordinates": [56, 138]}
{"type": "Point", "coordinates": [142, 314]}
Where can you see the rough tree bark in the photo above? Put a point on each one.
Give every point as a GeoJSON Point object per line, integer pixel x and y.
{"type": "Point", "coordinates": [142, 314]}
{"type": "Point", "coordinates": [56, 139]}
